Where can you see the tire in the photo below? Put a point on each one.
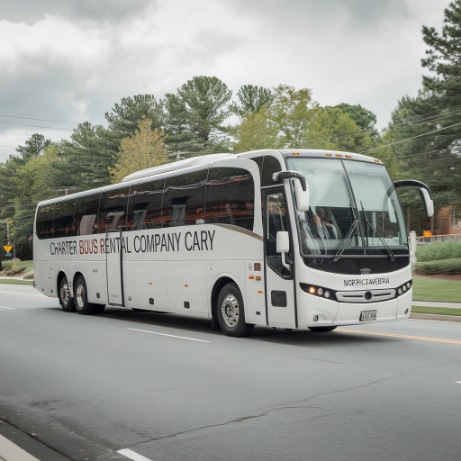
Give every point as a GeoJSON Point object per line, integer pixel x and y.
{"type": "Point", "coordinates": [82, 306]}
{"type": "Point", "coordinates": [322, 329]}
{"type": "Point", "coordinates": [65, 296]}
{"type": "Point", "coordinates": [231, 313]}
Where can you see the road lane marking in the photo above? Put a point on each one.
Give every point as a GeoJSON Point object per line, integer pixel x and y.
{"type": "Point", "coordinates": [170, 336]}
{"type": "Point", "coordinates": [395, 335]}
{"type": "Point", "coordinates": [132, 455]}
{"type": "Point", "coordinates": [4, 307]}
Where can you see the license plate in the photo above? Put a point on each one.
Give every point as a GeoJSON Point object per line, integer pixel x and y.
{"type": "Point", "coordinates": [368, 315]}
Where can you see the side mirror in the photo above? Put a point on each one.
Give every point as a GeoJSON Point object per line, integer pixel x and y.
{"type": "Point", "coordinates": [300, 185]}
{"type": "Point", "coordinates": [302, 196]}
{"type": "Point", "coordinates": [283, 246]}
{"type": "Point", "coordinates": [427, 201]}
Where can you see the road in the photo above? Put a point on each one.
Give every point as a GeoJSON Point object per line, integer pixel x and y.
{"type": "Point", "coordinates": [164, 387]}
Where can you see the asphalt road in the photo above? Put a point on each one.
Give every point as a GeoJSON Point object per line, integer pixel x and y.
{"type": "Point", "coordinates": [129, 384]}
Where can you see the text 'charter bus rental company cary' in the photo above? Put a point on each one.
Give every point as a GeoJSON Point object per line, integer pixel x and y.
{"type": "Point", "coordinates": [281, 238]}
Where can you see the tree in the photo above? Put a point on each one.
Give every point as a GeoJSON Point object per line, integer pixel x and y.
{"type": "Point", "coordinates": [144, 149]}
{"type": "Point", "coordinates": [125, 116]}
{"type": "Point", "coordinates": [32, 148]}
{"type": "Point", "coordinates": [331, 128]}
{"type": "Point", "coordinates": [291, 112]}
{"type": "Point", "coordinates": [443, 58]}
{"type": "Point", "coordinates": [256, 131]}
{"type": "Point", "coordinates": [251, 99]}
{"type": "Point", "coordinates": [84, 160]}
{"type": "Point", "coordinates": [364, 119]}
{"type": "Point", "coordinates": [194, 116]}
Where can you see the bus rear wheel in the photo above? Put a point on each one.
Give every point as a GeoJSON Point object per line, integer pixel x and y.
{"type": "Point", "coordinates": [231, 312]}
{"type": "Point", "coordinates": [65, 297]}
{"type": "Point", "coordinates": [82, 306]}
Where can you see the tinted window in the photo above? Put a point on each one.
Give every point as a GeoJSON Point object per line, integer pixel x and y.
{"type": "Point", "coordinates": [45, 221]}
{"type": "Point", "coordinates": [270, 166]}
{"type": "Point", "coordinates": [184, 199]}
{"type": "Point", "coordinates": [145, 206]}
{"type": "Point", "coordinates": [112, 210]}
{"type": "Point", "coordinates": [63, 223]}
{"type": "Point", "coordinates": [86, 213]}
{"type": "Point", "coordinates": [230, 197]}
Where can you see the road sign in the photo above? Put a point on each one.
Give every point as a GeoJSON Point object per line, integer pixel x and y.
{"type": "Point", "coordinates": [7, 248]}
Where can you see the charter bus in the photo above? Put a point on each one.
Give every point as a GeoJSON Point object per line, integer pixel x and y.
{"type": "Point", "coordinates": [282, 238]}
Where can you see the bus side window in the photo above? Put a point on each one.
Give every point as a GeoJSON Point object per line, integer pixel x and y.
{"type": "Point", "coordinates": [184, 199]}
{"type": "Point", "coordinates": [112, 210]}
{"type": "Point", "coordinates": [145, 206]}
{"type": "Point", "coordinates": [63, 222]}
{"type": "Point", "coordinates": [44, 227]}
{"type": "Point", "coordinates": [230, 197]}
{"type": "Point", "coordinates": [86, 212]}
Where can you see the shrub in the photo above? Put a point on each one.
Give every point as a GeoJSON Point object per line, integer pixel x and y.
{"type": "Point", "coordinates": [438, 250]}
{"type": "Point", "coordinates": [444, 267]}
{"type": "Point", "coordinates": [15, 271]}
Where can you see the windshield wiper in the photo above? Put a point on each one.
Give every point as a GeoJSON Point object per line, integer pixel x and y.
{"type": "Point", "coordinates": [376, 233]}
{"type": "Point", "coordinates": [346, 239]}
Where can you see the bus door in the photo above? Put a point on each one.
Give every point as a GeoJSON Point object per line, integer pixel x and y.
{"type": "Point", "coordinates": [114, 267]}
{"type": "Point", "coordinates": [280, 297]}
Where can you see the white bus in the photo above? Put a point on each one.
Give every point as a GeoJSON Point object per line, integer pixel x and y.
{"type": "Point", "coordinates": [281, 238]}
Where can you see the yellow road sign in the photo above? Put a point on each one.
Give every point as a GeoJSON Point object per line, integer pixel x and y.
{"type": "Point", "coordinates": [7, 248]}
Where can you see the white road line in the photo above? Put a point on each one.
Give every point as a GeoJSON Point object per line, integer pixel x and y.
{"type": "Point", "coordinates": [11, 452]}
{"type": "Point", "coordinates": [4, 307]}
{"type": "Point", "coordinates": [170, 336]}
{"type": "Point", "coordinates": [132, 455]}
{"type": "Point", "coordinates": [458, 382]}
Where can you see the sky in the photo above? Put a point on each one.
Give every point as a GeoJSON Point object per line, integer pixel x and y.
{"type": "Point", "coordinates": [64, 62]}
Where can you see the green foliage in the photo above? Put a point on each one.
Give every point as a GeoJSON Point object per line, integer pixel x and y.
{"type": "Point", "coordinates": [143, 149]}
{"type": "Point", "coordinates": [251, 100]}
{"type": "Point", "coordinates": [364, 118]}
{"type": "Point", "coordinates": [194, 116]}
{"type": "Point", "coordinates": [438, 250]}
{"type": "Point", "coordinates": [444, 266]}
{"type": "Point", "coordinates": [331, 128]}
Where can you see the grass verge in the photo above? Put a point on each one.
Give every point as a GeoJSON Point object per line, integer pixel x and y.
{"type": "Point", "coordinates": [16, 282]}
{"type": "Point", "coordinates": [436, 289]}
{"type": "Point", "coordinates": [435, 310]}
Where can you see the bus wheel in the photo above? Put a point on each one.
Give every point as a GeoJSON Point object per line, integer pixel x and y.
{"type": "Point", "coordinates": [65, 298]}
{"type": "Point", "coordinates": [82, 306]}
{"type": "Point", "coordinates": [231, 313]}
{"type": "Point", "coordinates": [320, 329]}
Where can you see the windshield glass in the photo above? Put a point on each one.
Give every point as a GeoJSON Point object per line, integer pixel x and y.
{"type": "Point", "coordinates": [353, 209]}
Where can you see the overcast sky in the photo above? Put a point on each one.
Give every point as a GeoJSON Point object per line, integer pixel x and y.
{"type": "Point", "coordinates": [63, 62]}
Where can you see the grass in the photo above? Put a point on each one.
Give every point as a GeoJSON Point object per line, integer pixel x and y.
{"type": "Point", "coordinates": [16, 282]}
{"type": "Point", "coordinates": [435, 310]}
{"type": "Point", "coordinates": [440, 290]}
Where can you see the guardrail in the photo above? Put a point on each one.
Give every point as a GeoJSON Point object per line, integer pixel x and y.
{"type": "Point", "coordinates": [438, 238]}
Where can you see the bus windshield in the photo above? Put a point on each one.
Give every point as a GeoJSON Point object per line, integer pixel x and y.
{"type": "Point", "coordinates": [354, 210]}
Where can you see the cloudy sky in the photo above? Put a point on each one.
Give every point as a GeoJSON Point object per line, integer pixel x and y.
{"type": "Point", "coordinates": [63, 62]}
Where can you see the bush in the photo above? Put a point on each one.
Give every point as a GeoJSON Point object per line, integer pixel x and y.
{"type": "Point", "coordinates": [15, 271]}
{"type": "Point", "coordinates": [438, 250]}
{"type": "Point", "coordinates": [444, 267]}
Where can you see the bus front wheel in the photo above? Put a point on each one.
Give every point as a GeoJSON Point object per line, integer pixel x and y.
{"type": "Point", "coordinates": [231, 313]}
{"type": "Point", "coordinates": [82, 306]}
{"type": "Point", "coordinates": [65, 297]}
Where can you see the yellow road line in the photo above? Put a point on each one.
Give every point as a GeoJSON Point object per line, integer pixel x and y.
{"type": "Point", "coordinates": [395, 335]}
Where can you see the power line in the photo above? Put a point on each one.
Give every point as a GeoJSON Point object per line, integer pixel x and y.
{"type": "Point", "coordinates": [36, 119]}
{"type": "Point", "coordinates": [37, 126]}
